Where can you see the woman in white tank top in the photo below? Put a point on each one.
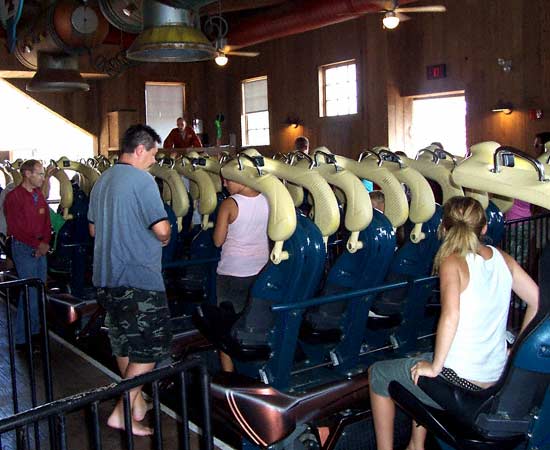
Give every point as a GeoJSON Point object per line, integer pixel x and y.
{"type": "Point", "coordinates": [470, 350]}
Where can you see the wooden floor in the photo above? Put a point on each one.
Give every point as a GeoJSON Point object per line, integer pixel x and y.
{"type": "Point", "coordinates": [73, 372]}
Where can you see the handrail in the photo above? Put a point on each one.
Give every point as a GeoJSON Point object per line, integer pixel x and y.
{"type": "Point", "coordinates": [78, 401]}
{"type": "Point", "coordinates": [351, 294]}
{"type": "Point", "coordinates": [503, 151]}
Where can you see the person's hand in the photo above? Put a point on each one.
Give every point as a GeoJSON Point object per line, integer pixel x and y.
{"type": "Point", "coordinates": [50, 170]}
{"type": "Point", "coordinates": [42, 250]}
{"type": "Point", "coordinates": [165, 242]}
{"type": "Point", "coordinates": [423, 369]}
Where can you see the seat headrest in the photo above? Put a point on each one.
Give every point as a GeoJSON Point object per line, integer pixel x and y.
{"type": "Point", "coordinates": [516, 174]}
{"type": "Point", "coordinates": [282, 216]}
{"type": "Point", "coordinates": [358, 206]}
{"type": "Point", "coordinates": [179, 200]}
{"type": "Point", "coordinates": [326, 212]}
{"type": "Point", "coordinates": [429, 164]}
{"type": "Point", "coordinates": [396, 207]}
{"type": "Point", "coordinates": [201, 186]}
{"type": "Point", "coordinates": [422, 206]}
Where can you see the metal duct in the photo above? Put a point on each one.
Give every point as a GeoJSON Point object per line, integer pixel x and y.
{"type": "Point", "coordinates": [68, 26]}
{"type": "Point", "coordinates": [57, 72]}
{"type": "Point", "coordinates": [126, 15]}
{"type": "Point", "coordinates": [169, 36]}
{"type": "Point", "coordinates": [123, 14]}
{"type": "Point", "coordinates": [298, 17]}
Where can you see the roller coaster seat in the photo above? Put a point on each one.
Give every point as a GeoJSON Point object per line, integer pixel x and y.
{"type": "Point", "coordinates": [360, 270]}
{"type": "Point", "coordinates": [257, 338]}
{"type": "Point", "coordinates": [412, 260]}
{"type": "Point", "coordinates": [515, 409]}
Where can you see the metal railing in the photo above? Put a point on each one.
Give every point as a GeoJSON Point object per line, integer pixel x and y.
{"type": "Point", "coordinates": [524, 240]}
{"type": "Point", "coordinates": [56, 412]}
{"type": "Point", "coordinates": [26, 386]}
{"type": "Point", "coordinates": [19, 289]}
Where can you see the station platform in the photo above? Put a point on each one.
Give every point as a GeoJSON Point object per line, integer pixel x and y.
{"type": "Point", "coordinates": [73, 372]}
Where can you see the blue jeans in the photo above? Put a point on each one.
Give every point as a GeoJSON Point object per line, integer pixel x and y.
{"type": "Point", "coordinates": [27, 267]}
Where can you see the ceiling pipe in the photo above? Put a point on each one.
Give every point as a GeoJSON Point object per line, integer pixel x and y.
{"type": "Point", "coordinates": [298, 17]}
{"type": "Point", "coordinates": [283, 20]}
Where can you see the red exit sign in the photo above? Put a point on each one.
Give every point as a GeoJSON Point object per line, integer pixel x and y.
{"type": "Point", "coordinates": [436, 71]}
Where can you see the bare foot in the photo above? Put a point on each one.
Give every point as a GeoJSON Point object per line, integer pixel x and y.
{"type": "Point", "coordinates": [140, 408]}
{"type": "Point", "coordinates": [116, 420]}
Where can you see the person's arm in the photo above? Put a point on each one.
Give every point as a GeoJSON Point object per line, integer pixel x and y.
{"type": "Point", "coordinates": [226, 215]}
{"type": "Point", "coordinates": [44, 243]}
{"type": "Point", "coordinates": [169, 141]}
{"type": "Point", "coordinates": [451, 287]}
{"type": "Point", "coordinates": [525, 288]}
{"type": "Point", "coordinates": [8, 213]}
{"type": "Point", "coordinates": [91, 229]}
{"type": "Point", "coordinates": [195, 142]}
{"type": "Point", "coordinates": [162, 231]}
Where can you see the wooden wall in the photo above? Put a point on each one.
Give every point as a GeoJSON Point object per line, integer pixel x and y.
{"type": "Point", "coordinates": [291, 65]}
{"type": "Point", "coordinates": [391, 68]}
{"type": "Point", "coordinates": [470, 38]}
{"type": "Point", "coordinates": [128, 91]}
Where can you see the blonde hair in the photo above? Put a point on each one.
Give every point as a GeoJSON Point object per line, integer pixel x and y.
{"type": "Point", "coordinates": [461, 228]}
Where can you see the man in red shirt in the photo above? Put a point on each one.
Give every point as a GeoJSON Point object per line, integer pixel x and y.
{"type": "Point", "coordinates": [182, 137]}
{"type": "Point", "coordinates": [28, 220]}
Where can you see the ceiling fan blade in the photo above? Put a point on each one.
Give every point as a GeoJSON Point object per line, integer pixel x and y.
{"type": "Point", "coordinates": [402, 17]}
{"type": "Point", "coordinates": [247, 54]}
{"type": "Point", "coordinates": [416, 9]}
{"type": "Point", "coordinates": [385, 5]}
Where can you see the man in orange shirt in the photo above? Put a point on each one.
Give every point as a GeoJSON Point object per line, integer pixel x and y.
{"type": "Point", "coordinates": [182, 137]}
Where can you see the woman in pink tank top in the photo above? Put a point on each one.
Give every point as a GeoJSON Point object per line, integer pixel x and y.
{"type": "Point", "coordinates": [241, 232]}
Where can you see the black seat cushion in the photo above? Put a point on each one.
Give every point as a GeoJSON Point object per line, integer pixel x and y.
{"type": "Point", "coordinates": [317, 336]}
{"type": "Point", "coordinates": [216, 324]}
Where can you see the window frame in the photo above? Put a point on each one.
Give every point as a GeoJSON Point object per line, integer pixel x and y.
{"type": "Point", "coordinates": [167, 83]}
{"type": "Point", "coordinates": [245, 138]}
{"type": "Point", "coordinates": [322, 87]}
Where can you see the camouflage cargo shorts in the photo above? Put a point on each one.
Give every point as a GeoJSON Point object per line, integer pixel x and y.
{"type": "Point", "coordinates": [139, 323]}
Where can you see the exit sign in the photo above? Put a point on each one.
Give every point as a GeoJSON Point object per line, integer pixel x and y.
{"type": "Point", "coordinates": [436, 71]}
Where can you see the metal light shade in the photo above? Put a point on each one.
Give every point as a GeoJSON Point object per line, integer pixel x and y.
{"type": "Point", "coordinates": [169, 36]}
{"type": "Point", "coordinates": [57, 72]}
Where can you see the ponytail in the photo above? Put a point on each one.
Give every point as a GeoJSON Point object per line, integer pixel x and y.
{"type": "Point", "coordinates": [461, 227]}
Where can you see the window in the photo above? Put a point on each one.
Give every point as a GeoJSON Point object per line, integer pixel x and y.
{"type": "Point", "coordinates": [164, 103]}
{"type": "Point", "coordinates": [255, 117]}
{"type": "Point", "coordinates": [338, 89]}
{"type": "Point", "coordinates": [439, 119]}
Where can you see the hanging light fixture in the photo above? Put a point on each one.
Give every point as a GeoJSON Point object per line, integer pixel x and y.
{"type": "Point", "coordinates": [169, 36]}
{"type": "Point", "coordinates": [57, 72]}
{"type": "Point", "coordinates": [221, 59]}
{"type": "Point", "coordinates": [390, 20]}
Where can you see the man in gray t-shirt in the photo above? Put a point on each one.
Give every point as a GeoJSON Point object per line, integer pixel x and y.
{"type": "Point", "coordinates": [127, 218]}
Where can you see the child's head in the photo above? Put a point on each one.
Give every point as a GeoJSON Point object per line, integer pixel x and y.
{"type": "Point", "coordinates": [463, 224]}
{"type": "Point", "coordinates": [377, 200]}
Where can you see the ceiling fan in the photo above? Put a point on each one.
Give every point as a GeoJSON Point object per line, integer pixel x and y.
{"type": "Point", "coordinates": [394, 14]}
{"type": "Point", "coordinates": [215, 27]}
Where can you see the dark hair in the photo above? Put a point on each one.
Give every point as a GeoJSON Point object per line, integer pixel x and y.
{"type": "Point", "coordinates": [544, 137]}
{"type": "Point", "coordinates": [139, 135]}
{"type": "Point", "coordinates": [301, 143]}
{"type": "Point", "coordinates": [29, 165]}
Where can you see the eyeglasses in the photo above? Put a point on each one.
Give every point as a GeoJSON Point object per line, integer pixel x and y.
{"type": "Point", "coordinates": [40, 174]}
